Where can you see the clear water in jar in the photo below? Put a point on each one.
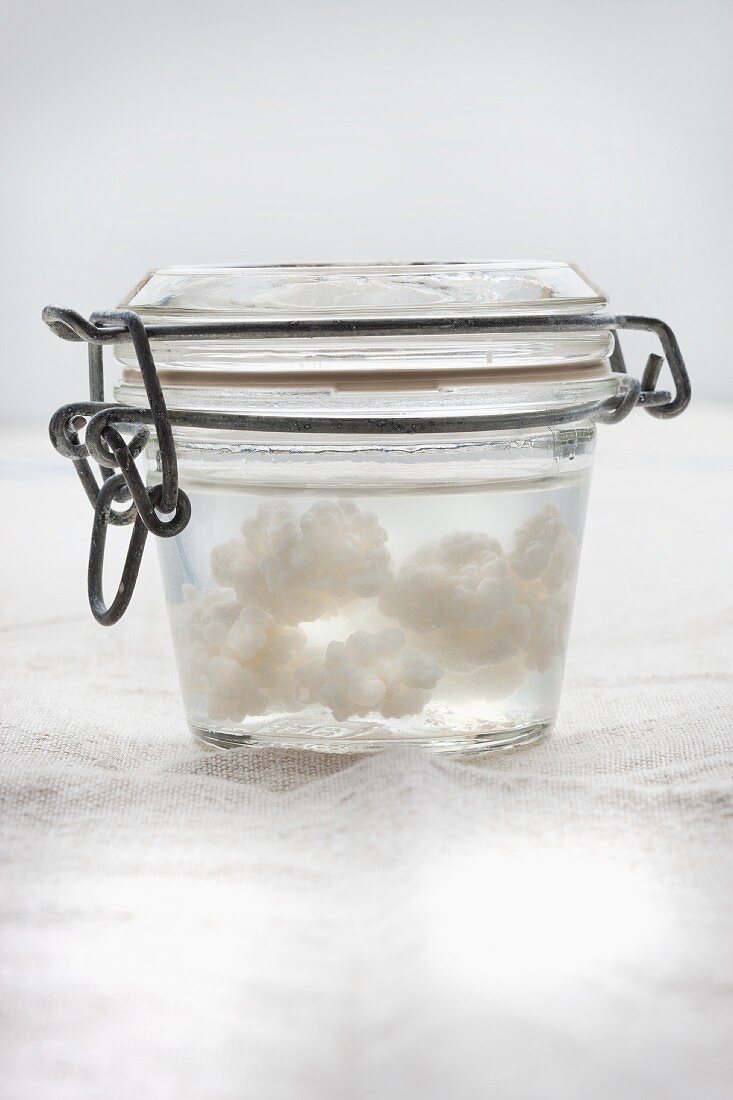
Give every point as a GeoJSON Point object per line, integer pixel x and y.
{"type": "Point", "coordinates": [349, 620]}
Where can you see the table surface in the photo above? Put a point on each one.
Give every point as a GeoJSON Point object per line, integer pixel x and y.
{"type": "Point", "coordinates": [549, 923]}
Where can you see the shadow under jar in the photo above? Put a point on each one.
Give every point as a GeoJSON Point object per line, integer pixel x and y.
{"type": "Point", "coordinates": [348, 590]}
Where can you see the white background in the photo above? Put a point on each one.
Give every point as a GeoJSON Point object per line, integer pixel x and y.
{"type": "Point", "coordinates": [156, 133]}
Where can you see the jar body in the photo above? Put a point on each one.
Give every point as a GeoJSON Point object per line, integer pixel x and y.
{"type": "Point", "coordinates": [349, 593]}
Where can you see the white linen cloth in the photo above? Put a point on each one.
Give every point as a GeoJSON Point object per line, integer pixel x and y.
{"type": "Point", "coordinates": [547, 924]}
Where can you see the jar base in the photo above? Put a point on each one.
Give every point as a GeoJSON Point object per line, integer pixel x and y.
{"type": "Point", "coordinates": [490, 740]}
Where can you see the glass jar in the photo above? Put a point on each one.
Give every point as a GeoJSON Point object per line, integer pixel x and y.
{"type": "Point", "coordinates": [387, 467]}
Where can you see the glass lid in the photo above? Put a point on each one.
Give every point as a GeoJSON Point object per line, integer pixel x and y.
{"type": "Point", "coordinates": [375, 290]}
{"type": "Point", "coordinates": [351, 371]}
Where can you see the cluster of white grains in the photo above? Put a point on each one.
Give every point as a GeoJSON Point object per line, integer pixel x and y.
{"type": "Point", "coordinates": [464, 608]}
{"type": "Point", "coordinates": [367, 673]}
{"type": "Point", "coordinates": [300, 568]}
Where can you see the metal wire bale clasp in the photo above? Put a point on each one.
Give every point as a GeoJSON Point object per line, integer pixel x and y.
{"type": "Point", "coordinates": [165, 509]}
{"type": "Point", "coordinates": [106, 444]}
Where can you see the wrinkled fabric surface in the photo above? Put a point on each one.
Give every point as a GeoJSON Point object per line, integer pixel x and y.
{"type": "Point", "coordinates": [179, 922]}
